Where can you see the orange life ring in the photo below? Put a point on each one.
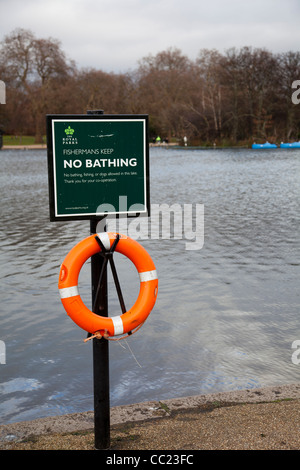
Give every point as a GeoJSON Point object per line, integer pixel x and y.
{"type": "Point", "coordinates": [72, 302]}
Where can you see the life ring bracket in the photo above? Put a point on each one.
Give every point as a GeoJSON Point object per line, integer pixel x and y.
{"type": "Point", "coordinates": [108, 256]}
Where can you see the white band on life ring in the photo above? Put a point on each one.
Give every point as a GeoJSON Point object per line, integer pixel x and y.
{"type": "Point", "coordinates": [118, 325]}
{"type": "Point", "coordinates": [148, 276]}
{"type": "Point", "coordinates": [105, 239]}
{"type": "Point", "coordinates": [68, 292]}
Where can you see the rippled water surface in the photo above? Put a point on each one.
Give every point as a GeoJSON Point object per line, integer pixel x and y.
{"type": "Point", "coordinates": [226, 315]}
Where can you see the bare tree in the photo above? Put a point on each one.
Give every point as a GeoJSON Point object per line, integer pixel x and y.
{"type": "Point", "coordinates": [16, 54]}
{"type": "Point", "coordinates": [209, 64]}
{"type": "Point", "coordinates": [241, 95]}
{"type": "Point", "coordinates": [163, 90]}
{"type": "Point", "coordinates": [287, 115]}
{"type": "Point", "coordinates": [31, 65]}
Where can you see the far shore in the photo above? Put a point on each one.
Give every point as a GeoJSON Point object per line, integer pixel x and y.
{"type": "Point", "coordinates": [24, 147]}
{"type": "Point", "coordinates": [162, 145]}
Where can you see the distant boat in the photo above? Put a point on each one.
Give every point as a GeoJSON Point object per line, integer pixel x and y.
{"type": "Point", "coordinates": [290, 145]}
{"type": "Point", "coordinates": [266, 145]}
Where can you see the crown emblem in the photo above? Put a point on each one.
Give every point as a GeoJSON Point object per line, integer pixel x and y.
{"type": "Point", "coordinates": [69, 131]}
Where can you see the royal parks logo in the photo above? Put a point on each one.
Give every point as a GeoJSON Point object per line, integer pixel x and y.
{"type": "Point", "coordinates": [69, 138]}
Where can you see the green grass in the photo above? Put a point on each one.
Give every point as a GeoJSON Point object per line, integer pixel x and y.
{"type": "Point", "coordinates": [20, 140]}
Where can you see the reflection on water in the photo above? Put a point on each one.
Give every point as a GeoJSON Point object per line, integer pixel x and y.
{"type": "Point", "coordinates": [226, 315]}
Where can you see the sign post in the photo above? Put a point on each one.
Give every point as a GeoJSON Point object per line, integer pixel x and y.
{"type": "Point", "coordinates": [98, 165]}
{"type": "Point", "coordinates": [100, 354]}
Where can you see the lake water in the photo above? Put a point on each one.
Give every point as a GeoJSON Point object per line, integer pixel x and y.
{"type": "Point", "coordinates": [226, 314]}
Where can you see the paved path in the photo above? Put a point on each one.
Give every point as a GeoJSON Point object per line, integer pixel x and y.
{"type": "Point", "coordinates": [255, 419]}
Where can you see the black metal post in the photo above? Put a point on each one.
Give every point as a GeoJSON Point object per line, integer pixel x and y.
{"type": "Point", "coordinates": [100, 356]}
{"type": "Point", "coordinates": [100, 350]}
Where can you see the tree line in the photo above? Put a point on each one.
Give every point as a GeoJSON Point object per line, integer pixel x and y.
{"type": "Point", "coordinates": [239, 96]}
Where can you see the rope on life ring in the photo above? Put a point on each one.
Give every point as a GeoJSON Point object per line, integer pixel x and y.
{"type": "Point", "coordinates": [69, 293]}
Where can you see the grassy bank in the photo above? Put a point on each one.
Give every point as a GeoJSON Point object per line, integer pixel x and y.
{"type": "Point", "coordinates": [20, 140]}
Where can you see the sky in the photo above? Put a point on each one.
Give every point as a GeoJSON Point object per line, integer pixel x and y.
{"type": "Point", "coordinates": [114, 35]}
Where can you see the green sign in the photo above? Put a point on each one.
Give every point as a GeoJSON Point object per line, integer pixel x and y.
{"type": "Point", "coordinates": [98, 165]}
